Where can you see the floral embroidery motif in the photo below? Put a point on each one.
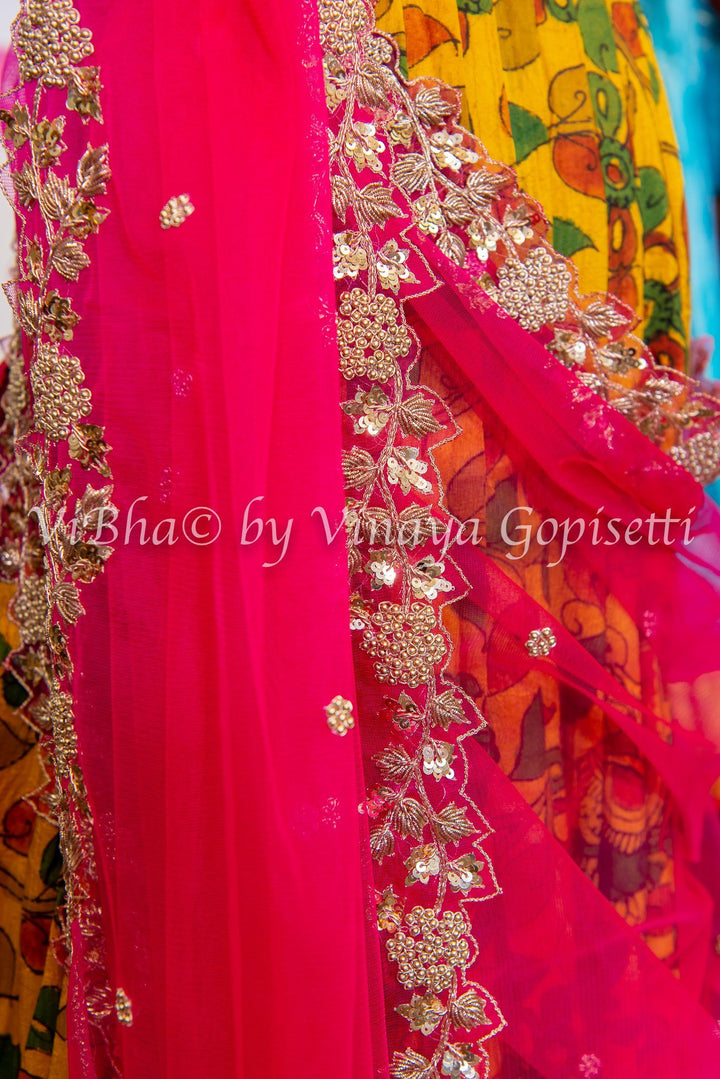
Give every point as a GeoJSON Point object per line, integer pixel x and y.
{"type": "Point", "coordinates": [422, 819]}
{"type": "Point", "coordinates": [339, 715]}
{"type": "Point", "coordinates": [534, 291]}
{"type": "Point", "coordinates": [59, 403]}
{"type": "Point", "coordinates": [590, 1066]}
{"type": "Point", "coordinates": [541, 642]}
{"type": "Point", "coordinates": [176, 211]}
{"type": "Point", "coordinates": [57, 209]}
{"type": "Point", "coordinates": [50, 43]}
{"type": "Point", "coordinates": [123, 1008]}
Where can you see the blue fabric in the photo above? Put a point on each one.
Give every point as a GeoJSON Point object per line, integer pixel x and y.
{"type": "Point", "coordinates": [686, 34]}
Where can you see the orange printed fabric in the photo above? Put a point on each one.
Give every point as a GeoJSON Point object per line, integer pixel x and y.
{"type": "Point", "coordinates": [568, 92]}
{"type": "Point", "coordinates": [570, 96]}
{"type": "Point", "coordinates": [33, 983]}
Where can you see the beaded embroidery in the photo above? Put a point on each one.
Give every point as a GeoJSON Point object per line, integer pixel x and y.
{"type": "Point", "coordinates": [57, 210]}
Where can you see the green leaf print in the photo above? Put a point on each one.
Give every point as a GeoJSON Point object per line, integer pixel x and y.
{"type": "Point", "coordinates": [666, 310]}
{"type": "Point", "coordinates": [563, 10]}
{"type": "Point", "coordinates": [652, 198]}
{"type": "Point", "coordinates": [607, 103]}
{"type": "Point", "coordinates": [9, 1058]}
{"type": "Point", "coordinates": [567, 238]}
{"type": "Point", "coordinates": [597, 33]}
{"type": "Point", "coordinates": [15, 695]}
{"type": "Point", "coordinates": [475, 7]}
{"type": "Point", "coordinates": [51, 864]}
{"type": "Point", "coordinates": [42, 1032]}
{"type": "Point", "coordinates": [528, 131]}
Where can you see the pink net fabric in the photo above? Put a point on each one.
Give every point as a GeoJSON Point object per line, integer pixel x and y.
{"type": "Point", "coordinates": [235, 884]}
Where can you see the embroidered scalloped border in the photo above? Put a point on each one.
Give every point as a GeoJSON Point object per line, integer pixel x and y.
{"type": "Point", "coordinates": [398, 155]}
{"type": "Point", "coordinates": [56, 445]}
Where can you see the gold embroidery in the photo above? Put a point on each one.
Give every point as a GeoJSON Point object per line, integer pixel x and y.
{"type": "Point", "coordinates": [339, 715]}
{"type": "Point", "coordinates": [49, 42]}
{"type": "Point", "coordinates": [175, 211]}
{"type": "Point", "coordinates": [58, 401]}
{"type": "Point", "coordinates": [422, 815]}
{"type": "Point", "coordinates": [405, 647]}
{"type": "Point", "coordinates": [123, 1008]}
{"type": "Point", "coordinates": [61, 195]}
{"type": "Point", "coordinates": [430, 949]}
{"type": "Point", "coordinates": [534, 291]}
{"type": "Point", "coordinates": [541, 642]}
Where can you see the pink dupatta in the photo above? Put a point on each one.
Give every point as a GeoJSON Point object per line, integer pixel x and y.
{"type": "Point", "coordinates": [225, 914]}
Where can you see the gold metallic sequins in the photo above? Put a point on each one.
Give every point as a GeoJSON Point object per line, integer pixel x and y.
{"type": "Point", "coordinates": [176, 211]}
{"type": "Point", "coordinates": [123, 1008]}
{"type": "Point", "coordinates": [339, 715]}
{"type": "Point", "coordinates": [541, 642]}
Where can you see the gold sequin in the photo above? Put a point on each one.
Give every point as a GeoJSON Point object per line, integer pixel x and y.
{"type": "Point", "coordinates": [541, 642]}
{"type": "Point", "coordinates": [176, 211]}
{"type": "Point", "coordinates": [123, 1008]}
{"type": "Point", "coordinates": [339, 714]}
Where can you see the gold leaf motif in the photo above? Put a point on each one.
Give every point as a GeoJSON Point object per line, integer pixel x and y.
{"type": "Point", "coordinates": [408, 817]}
{"type": "Point", "coordinates": [69, 259]}
{"type": "Point", "coordinates": [370, 90]}
{"type": "Point", "coordinates": [431, 107]}
{"type": "Point", "coordinates": [411, 1065]}
{"type": "Point", "coordinates": [395, 764]}
{"type": "Point", "coordinates": [25, 185]}
{"type": "Point", "coordinates": [382, 843]}
{"type": "Point", "coordinates": [47, 142]}
{"type": "Point", "coordinates": [484, 186]}
{"type": "Point", "coordinates": [468, 1011]}
{"type": "Point", "coordinates": [458, 209]}
{"type": "Point", "coordinates": [376, 525]}
{"type": "Point", "coordinates": [55, 196]}
{"type": "Point", "coordinates": [341, 190]}
{"type": "Point", "coordinates": [359, 468]}
{"type": "Point", "coordinates": [28, 311]}
{"type": "Point", "coordinates": [423, 1013]}
{"type": "Point", "coordinates": [57, 316]}
{"type": "Point", "coordinates": [17, 124]}
{"type": "Point", "coordinates": [600, 318]}
{"type": "Point", "coordinates": [35, 257]}
{"type": "Point", "coordinates": [84, 87]}
{"type": "Point", "coordinates": [451, 824]}
{"type": "Point", "coordinates": [88, 446]}
{"type": "Point", "coordinates": [416, 524]}
{"type": "Point", "coordinates": [93, 172]}
{"type": "Point", "coordinates": [67, 601]}
{"type": "Point", "coordinates": [452, 246]}
{"type": "Point", "coordinates": [411, 173]}
{"type": "Point", "coordinates": [415, 416]}
{"type": "Point", "coordinates": [448, 709]}
{"type": "Point", "coordinates": [374, 204]}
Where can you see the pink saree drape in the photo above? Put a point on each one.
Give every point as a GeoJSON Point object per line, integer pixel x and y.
{"type": "Point", "coordinates": [235, 890]}
{"type": "Point", "coordinates": [235, 882]}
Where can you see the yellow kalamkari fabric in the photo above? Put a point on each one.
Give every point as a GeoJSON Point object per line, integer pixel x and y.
{"type": "Point", "coordinates": [568, 92]}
